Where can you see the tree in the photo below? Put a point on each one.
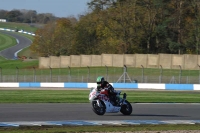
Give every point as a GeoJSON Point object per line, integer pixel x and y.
{"type": "Point", "coordinates": [116, 25]}
{"type": "Point", "coordinates": [195, 22]}
{"type": "Point", "coordinates": [14, 16]}
{"type": "Point", "coordinates": [3, 14]}
{"type": "Point", "coordinates": [54, 39]}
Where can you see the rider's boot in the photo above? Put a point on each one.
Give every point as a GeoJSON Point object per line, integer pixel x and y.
{"type": "Point", "coordinates": [113, 100]}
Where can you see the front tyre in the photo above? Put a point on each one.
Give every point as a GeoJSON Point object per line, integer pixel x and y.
{"type": "Point", "coordinates": [126, 108]}
{"type": "Point", "coordinates": [98, 110]}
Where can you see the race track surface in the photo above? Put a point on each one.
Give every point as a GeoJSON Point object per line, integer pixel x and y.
{"type": "Point", "coordinates": [23, 42]}
{"type": "Point", "coordinates": [83, 111]}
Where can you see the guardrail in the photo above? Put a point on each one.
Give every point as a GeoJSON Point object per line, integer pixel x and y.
{"type": "Point", "coordinates": [183, 87]}
{"type": "Point", "coordinates": [21, 31]}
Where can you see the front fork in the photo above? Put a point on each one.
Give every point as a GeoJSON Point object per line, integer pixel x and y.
{"type": "Point", "coordinates": [99, 103]}
{"type": "Point", "coordinates": [124, 98]}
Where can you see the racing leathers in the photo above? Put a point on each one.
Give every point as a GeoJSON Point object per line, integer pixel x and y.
{"type": "Point", "coordinates": [111, 91]}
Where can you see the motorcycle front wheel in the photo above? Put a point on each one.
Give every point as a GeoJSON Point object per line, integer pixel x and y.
{"type": "Point", "coordinates": [126, 108]}
{"type": "Point", "coordinates": [98, 110]}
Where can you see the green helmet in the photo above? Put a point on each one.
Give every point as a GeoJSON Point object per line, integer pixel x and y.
{"type": "Point", "coordinates": [100, 80]}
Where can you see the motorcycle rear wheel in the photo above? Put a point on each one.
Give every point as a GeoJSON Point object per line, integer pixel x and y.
{"type": "Point", "coordinates": [98, 110]}
{"type": "Point", "coordinates": [126, 108]}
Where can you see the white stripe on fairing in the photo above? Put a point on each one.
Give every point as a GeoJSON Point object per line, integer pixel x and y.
{"type": "Point", "coordinates": [151, 86]}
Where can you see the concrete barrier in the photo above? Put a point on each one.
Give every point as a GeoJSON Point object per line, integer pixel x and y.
{"type": "Point", "coordinates": [167, 61]}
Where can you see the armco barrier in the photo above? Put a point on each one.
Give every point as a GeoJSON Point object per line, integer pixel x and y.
{"type": "Point", "coordinates": [74, 85]}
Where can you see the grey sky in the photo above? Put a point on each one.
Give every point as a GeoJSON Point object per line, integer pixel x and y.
{"type": "Point", "coordinates": [59, 8]}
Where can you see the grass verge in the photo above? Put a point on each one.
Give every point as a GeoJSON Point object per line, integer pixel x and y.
{"type": "Point", "coordinates": [12, 64]}
{"type": "Point", "coordinates": [81, 129]}
{"type": "Point", "coordinates": [6, 41]}
{"type": "Point", "coordinates": [20, 26]}
{"type": "Point", "coordinates": [81, 96]}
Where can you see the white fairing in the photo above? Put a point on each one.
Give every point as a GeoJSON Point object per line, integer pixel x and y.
{"type": "Point", "coordinates": [93, 94]}
{"type": "Point", "coordinates": [109, 107]}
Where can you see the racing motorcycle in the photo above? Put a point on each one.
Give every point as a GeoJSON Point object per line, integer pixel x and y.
{"type": "Point", "coordinates": [102, 104]}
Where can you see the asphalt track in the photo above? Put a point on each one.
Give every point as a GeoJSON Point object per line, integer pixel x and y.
{"type": "Point", "coordinates": [23, 42]}
{"type": "Point", "coordinates": [83, 111]}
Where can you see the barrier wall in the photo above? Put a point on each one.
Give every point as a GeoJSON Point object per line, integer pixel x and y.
{"type": "Point", "coordinates": [75, 61]}
{"type": "Point", "coordinates": [65, 61]}
{"type": "Point", "coordinates": [167, 61]}
{"type": "Point", "coordinates": [96, 60]}
{"type": "Point", "coordinates": [107, 59]}
{"type": "Point", "coordinates": [55, 62]}
{"type": "Point", "coordinates": [182, 87]}
{"type": "Point", "coordinates": [24, 32]}
{"type": "Point", "coordinates": [85, 60]}
{"type": "Point", "coordinates": [129, 60]}
{"type": "Point", "coordinates": [191, 62]}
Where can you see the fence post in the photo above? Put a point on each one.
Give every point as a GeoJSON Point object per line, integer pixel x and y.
{"type": "Point", "coordinates": [50, 73]}
{"type": "Point", "coordinates": [1, 74]}
{"type": "Point", "coordinates": [69, 73]}
{"type": "Point", "coordinates": [88, 73]}
{"type": "Point", "coordinates": [142, 73]}
{"type": "Point", "coordinates": [106, 72]}
{"type": "Point", "coordinates": [199, 72]}
{"type": "Point", "coordinates": [161, 71]}
{"type": "Point", "coordinates": [17, 72]}
{"type": "Point", "coordinates": [125, 72]}
{"type": "Point", "coordinates": [33, 74]}
{"type": "Point", "coordinates": [180, 73]}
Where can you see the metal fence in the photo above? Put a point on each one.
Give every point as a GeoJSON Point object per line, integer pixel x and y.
{"type": "Point", "coordinates": [111, 74]}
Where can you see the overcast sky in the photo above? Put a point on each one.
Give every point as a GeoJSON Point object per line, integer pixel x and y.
{"type": "Point", "coordinates": [59, 8]}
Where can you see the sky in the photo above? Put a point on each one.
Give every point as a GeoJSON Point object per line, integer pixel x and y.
{"type": "Point", "coordinates": [59, 8]}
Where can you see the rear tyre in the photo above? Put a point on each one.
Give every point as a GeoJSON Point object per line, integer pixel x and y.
{"type": "Point", "coordinates": [126, 108]}
{"type": "Point", "coordinates": [98, 110]}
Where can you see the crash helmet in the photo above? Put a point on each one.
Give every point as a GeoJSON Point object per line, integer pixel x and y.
{"type": "Point", "coordinates": [100, 80]}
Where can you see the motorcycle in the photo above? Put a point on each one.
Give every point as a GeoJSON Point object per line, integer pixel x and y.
{"type": "Point", "coordinates": [102, 104]}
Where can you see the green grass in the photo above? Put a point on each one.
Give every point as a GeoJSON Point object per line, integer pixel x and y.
{"type": "Point", "coordinates": [82, 129]}
{"type": "Point", "coordinates": [6, 41]}
{"type": "Point", "coordinates": [2, 59]}
{"type": "Point", "coordinates": [81, 96]}
{"type": "Point", "coordinates": [19, 26]}
{"type": "Point", "coordinates": [25, 35]}
{"type": "Point", "coordinates": [12, 64]}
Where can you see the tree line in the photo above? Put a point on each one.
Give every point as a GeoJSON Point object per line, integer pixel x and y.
{"type": "Point", "coordinates": [27, 16]}
{"type": "Point", "coordinates": [125, 27]}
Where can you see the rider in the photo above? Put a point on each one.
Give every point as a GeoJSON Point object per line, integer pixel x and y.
{"type": "Point", "coordinates": [102, 84]}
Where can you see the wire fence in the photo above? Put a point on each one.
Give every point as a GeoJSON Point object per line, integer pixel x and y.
{"type": "Point", "coordinates": [111, 74]}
